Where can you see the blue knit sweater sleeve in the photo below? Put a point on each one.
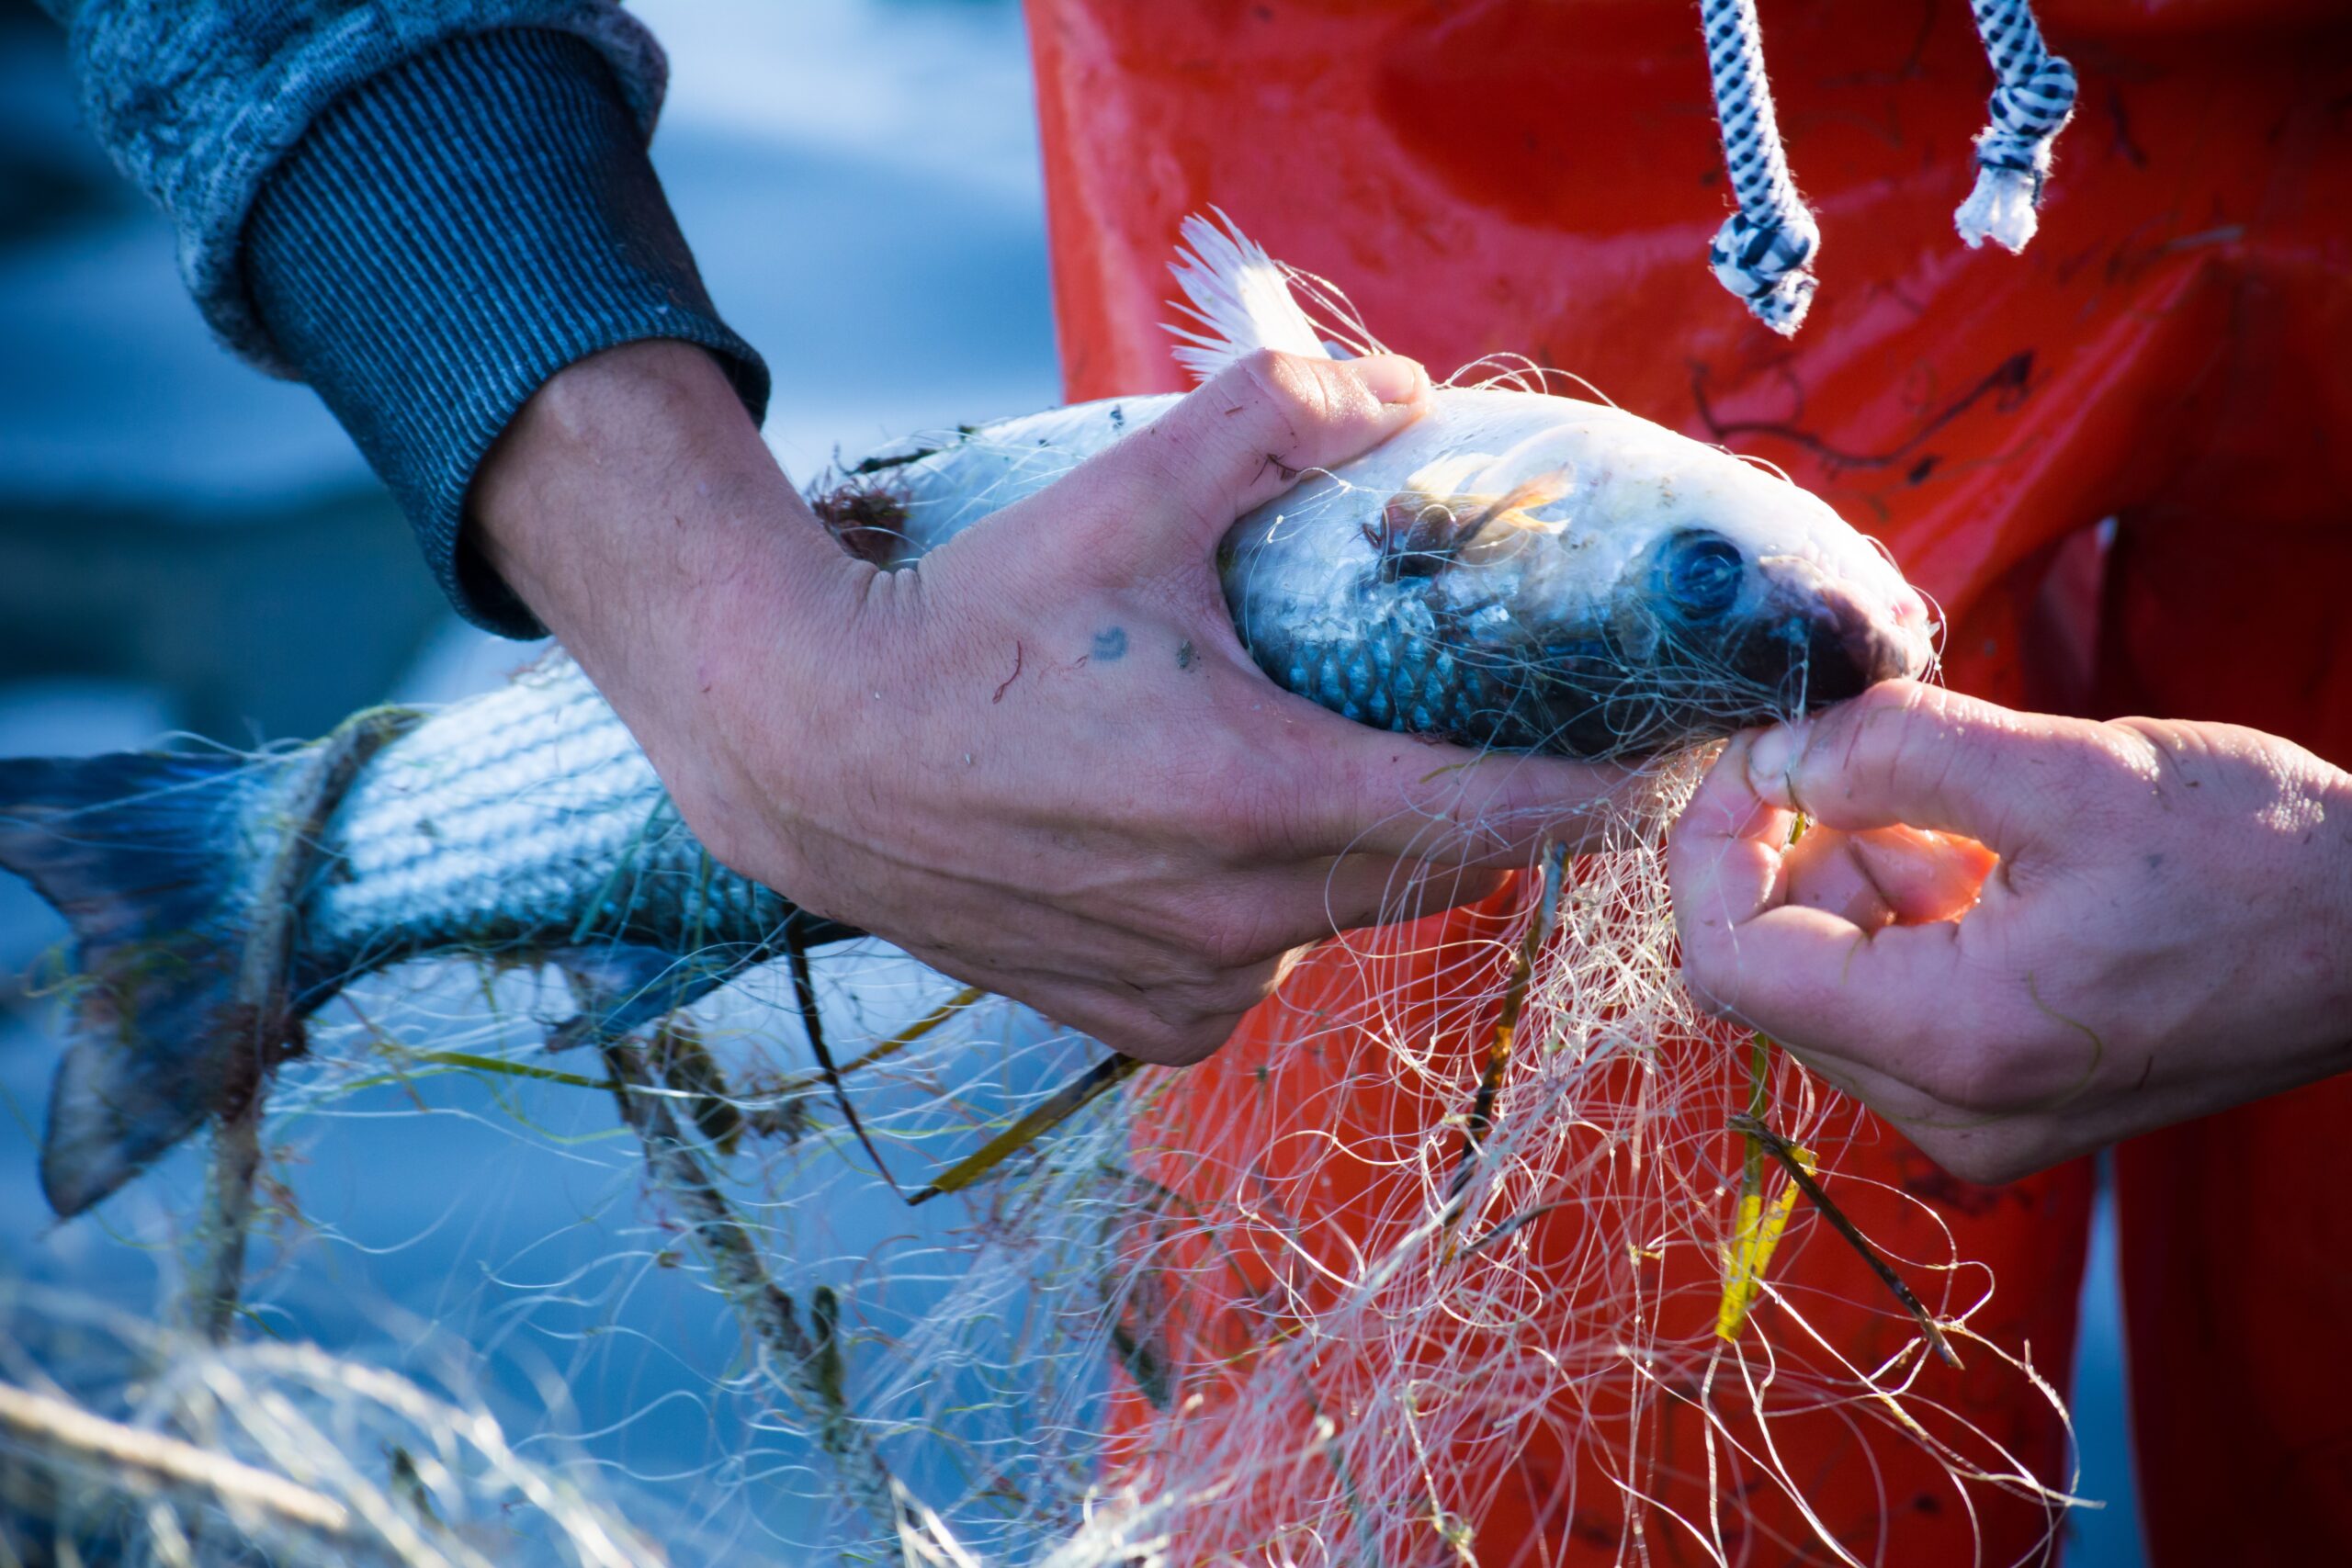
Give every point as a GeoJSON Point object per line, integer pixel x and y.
{"type": "Point", "coordinates": [423, 207]}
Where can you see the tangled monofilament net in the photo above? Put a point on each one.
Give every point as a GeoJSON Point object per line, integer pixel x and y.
{"type": "Point", "coordinates": [1378, 1285]}
{"type": "Point", "coordinates": [268, 1453]}
{"type": "Point", "coordinates": [1324, 1302]}
{"type": "Point", "coordinates": [1385, 1339]}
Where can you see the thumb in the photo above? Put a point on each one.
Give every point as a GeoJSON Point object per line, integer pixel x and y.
{"type": "Point", "coordinates": [1244, 436]}
{"type": "Point", "coordinates": [1918, 756]}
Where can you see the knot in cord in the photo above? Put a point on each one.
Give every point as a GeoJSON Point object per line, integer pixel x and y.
{"type": "Point", "coordinates": [2031, 104]}
{"type": "Point", "coordinates": [2029, 110]}
{"type": "Point", "coordinates": [1763, 251]}
{"type": "Point", "coordinates": [1766, 264]}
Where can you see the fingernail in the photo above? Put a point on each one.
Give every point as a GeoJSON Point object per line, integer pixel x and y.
{"type": "Point", "coordinates": [1393, 378]}
{"type": "Point", "coordinates": [1772, 758]}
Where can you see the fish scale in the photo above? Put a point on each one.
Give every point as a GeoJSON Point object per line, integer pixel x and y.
{"type": "Point", "coordinates": [529, 816]}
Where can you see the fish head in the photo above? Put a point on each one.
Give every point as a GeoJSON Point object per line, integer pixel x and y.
{"type": "Point", "coordinates": [1599, 586]}
{"type": "Point", "coordinates": [1745, 592]}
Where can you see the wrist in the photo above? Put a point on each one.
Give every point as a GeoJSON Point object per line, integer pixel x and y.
{"type": "Point", "coordinates": [634, 508]}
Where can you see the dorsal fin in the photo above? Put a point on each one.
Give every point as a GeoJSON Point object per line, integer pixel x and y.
{"type": "Point", "coordinates": [1240, 299]}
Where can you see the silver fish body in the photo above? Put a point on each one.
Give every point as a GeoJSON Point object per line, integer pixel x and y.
{"type": "Point", "coordinates": [526, 820]}
{"type": "Point", "coordinates": [1513, 570]}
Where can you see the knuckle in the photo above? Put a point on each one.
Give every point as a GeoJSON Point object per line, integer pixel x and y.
{"type": "Point", "coordinates": [1290, 400]}
{"type": "Point", "coordinates": [1896, 701]}
{"type": "Point", "coordinates": [1981, 1160]}
{"type": "Point", "coordinates": [1180, 1042]}
{"type": "Point", "coordinates": [1890, 730]}
{"type": "Point", "coordinates": [1228, 945]}
{"type": "Point", "coordinates": [2103, 776]}
{"type": "Point", "coordinates": [1286, 384]}
{"type": "Point", "coordinates": [1890, 707]}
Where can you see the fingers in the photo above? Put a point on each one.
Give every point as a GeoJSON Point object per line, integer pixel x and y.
{"type": "Point", "coordinates": [1803, 970]}
{"type": "Point", "coordinates": [1140, 1000]}
{"type": "Point", "coordinates": [1171, 996]}
{"type": "Point", "coordinates": [1356, 891]}
{"type": "Point", "coordinates": [1366, 791]}
{"type": "Point", "coordinates": [1174, 1023]}
{"type": "Point", "coordinates": [1902, 752]}
{"type": "Point", "coordinates": [1819, 983]}
{"type": "Point", "coordinates": [1144, 1033]}
{"type": "Point", "coordinates": [1922, 876]}
{"type": "Point", "coordinates": [1823, 872]}
{"type": "Point", "coordinates": [1247, 434]}
{"type": "Point", "coordinates": [1884, 876]}
{"type": "Point", "coordinates": [1723, 861]}
{"type": "Point", "coordinates": [1187, 1015]}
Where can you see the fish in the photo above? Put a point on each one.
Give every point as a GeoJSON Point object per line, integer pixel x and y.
{"type": "Point", "coordinates": [1516, 570]}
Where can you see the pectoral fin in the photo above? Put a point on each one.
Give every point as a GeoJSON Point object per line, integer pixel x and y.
{"type": "Point", "coordinates": [1421, 534]}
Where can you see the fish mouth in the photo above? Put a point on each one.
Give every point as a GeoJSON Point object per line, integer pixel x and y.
{"type": "Point", "coordinates": [1835, 641]}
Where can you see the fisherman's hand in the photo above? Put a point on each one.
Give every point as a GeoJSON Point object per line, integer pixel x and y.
{"type": "Point", "coordinates": [1041, 761]}
{"type": "Point", "coordinates": [2167, 931]}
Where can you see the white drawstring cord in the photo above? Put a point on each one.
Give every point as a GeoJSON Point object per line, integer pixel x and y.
{"type": "Point", "coordinates": [2032, 103]}
{"type": "Point", "coordinates": [1763, 251]}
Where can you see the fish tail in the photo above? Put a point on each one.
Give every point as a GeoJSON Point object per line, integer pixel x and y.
{"type": "Point", "coordinates": [141, 853]}
{"type": "Point", "coordinates": [179, 875]}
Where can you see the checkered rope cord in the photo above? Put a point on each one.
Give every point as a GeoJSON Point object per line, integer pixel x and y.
{"type": "Point", "coordinates": [2032, 100]}
{"type": "Point", "coordinates": [1764, 252]}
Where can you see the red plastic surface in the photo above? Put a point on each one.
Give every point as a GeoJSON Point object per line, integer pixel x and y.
{"type": "Point", "coordinates": [2174, 350]}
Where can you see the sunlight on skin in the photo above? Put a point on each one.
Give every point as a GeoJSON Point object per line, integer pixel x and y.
{"type": "Point", "coordinates": [1884, 876]}
{"type": "Point", "coordinates": [2115, 927]}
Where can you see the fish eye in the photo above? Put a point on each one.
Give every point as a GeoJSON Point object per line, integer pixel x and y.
{"type": "Point", "coordinates": [1700, 571]}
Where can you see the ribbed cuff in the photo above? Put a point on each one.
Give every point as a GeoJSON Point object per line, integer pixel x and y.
{"type": "Point", "coordinates": [448, 236]}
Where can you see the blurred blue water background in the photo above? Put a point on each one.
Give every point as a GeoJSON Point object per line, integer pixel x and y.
{"type": "Point", "coordinates": [186, 545]}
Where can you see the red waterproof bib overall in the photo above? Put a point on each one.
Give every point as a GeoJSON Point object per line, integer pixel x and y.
{"type": "Point", "coordinates": [2174, 350]}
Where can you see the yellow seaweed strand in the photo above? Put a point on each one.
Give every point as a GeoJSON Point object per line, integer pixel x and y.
{"type": "Point", "coordinates": [1554, 862]}
{"type": "Point", "coordinates": [1058, 1108]}
{"type": "Point", "coordinates": [1757, 1237]}
{"type": "Point", "coordinates": [1756, 1232]}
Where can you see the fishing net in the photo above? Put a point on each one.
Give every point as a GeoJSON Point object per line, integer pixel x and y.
{"type": "Point", "coordinates": [1458, 1251]}
{"type": "Point", "coordinates": [122, 1439]}
{"type": "Point", "coordinates": [1480, 1244]}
